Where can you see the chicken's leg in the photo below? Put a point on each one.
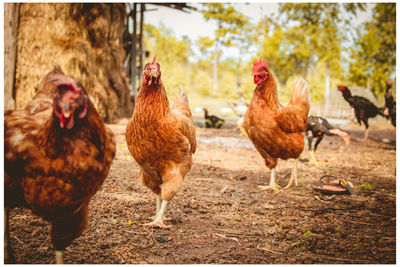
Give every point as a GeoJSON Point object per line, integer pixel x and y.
{"type": "Point", "coordinates": [59, 257]}
{"type": "Point", "coordinates": [366, 135]}
{"type": "Point", "coordinates": [312, 158]}
{"type": "Point", "coordinates": [272, 184]}
{"type": "Point", "coordinates": [158, 204]}
{"type": "Point", "coordinates": [240, 126]}
{"type": "Point", "coordinates": [293, 176]}
{"type": "Point", "coordinates": [159, 218]}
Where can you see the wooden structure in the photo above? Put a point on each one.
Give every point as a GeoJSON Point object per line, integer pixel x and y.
{"type": "Point", "coordinates": [11, 19]}
{"type": "Point", "coordinates": [74, 37]}
{"type": "Point", "coordinates": [137, 50]}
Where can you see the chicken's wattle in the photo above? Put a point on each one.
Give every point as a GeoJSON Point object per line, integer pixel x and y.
{"type": "Point", "coordinates": [257, 79]}
{"type": "Point", "coordinates": [68, 122]}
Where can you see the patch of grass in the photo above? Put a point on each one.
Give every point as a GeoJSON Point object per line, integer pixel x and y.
{"type": "Point", "coordinates": [303, 240]}
{"type": "Point", "coordinates": [129, 223]}
{"type": "Point", "coordinates": [308, 233]}
{"type": "Point", "coordinates": [365, 187]}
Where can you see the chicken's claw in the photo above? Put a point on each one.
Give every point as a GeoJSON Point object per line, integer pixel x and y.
{"type": "Point", "coordinates": [156, 224]}
{"type": "Point", "coordinates": [164, 218]}
{"type": "Point", "coordinates": [268, 187]}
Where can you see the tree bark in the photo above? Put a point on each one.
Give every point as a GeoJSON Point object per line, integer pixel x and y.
{"type": "Point", "coordinates": [11, 20]}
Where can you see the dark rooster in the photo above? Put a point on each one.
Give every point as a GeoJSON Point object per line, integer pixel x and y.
{"type": "Point", "coordinates": [212, 121]}
{"type": "Point", "coordinates": [390, 104]}
{"type": "Point", "coordinates": [57, 154]}
{"type": "Point", "coordinates": [318, 127]}
{"type": "Point", "coordinates": [363, 108]}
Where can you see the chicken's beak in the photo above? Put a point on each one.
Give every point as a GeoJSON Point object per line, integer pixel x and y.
{"type": "Point", "coordinates": [153, 76]}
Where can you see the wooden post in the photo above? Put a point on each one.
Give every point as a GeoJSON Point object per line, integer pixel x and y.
{"type": "Point", "coordinates": [133, 59]}
{"type": "Point", "coordinates": [11, 20]}
{"type": "Point", "coordinates": [141, 43]}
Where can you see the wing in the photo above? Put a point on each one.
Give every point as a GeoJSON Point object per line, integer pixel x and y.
{"type": "Point", "coordinates": [183, 118]}
{"type": "Point", "coordinates": [294, 117]}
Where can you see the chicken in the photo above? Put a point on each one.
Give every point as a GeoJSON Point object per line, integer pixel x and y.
{"type": "Point", "coordinates": [240, 109]}
{"type": "Point", "coordinates": [363, 108]}
{"type": "Point", "coordinates": [318, 127]}
{"type": "Point", "coordinates": [161, 139]}
{"type": "Point", "coordinates": [212, 121]}
{"type": "Point", "coordinates": [275, 130]}
{"type": "Point", "coordinates": [390, 104]}
{"type": "Point", "coordinates": [57, 154]}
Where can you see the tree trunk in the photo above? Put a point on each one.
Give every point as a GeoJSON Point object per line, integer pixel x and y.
{"type": "Point", "coordinates": [327, 85]}
{"type": "Point", "coordinates": [215, 73]}
{"type": "Point", "coordinates": [133, 59]}
{"type": "Point", "coordinates": [11, 19]}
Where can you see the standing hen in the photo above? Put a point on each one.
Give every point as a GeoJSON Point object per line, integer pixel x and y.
{"type": "Point", "coordinates": [57, 154]}
{"type": "Point", "coordinates": [275, 130]}
{"type": "Point", "coordinates": [162, 139]}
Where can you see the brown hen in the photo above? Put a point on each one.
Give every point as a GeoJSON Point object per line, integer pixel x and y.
{"type": "Point", "coordinates": [276, 130]}
{"type": "Point", "coordinates": [162, 139]}
{"type": "Point", "coordinates": [57, 154]}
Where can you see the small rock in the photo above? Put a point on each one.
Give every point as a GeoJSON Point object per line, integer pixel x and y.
{"type": "Point", "coordinates": [162, 239]}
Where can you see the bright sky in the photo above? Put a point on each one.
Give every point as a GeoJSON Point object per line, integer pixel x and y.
{"type": "Point", "coordinates": [194, 25]}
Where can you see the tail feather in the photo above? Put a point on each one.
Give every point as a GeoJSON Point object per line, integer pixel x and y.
{"type": "Point", "coordinates": [300, 92]}
{"type": "Point", "coordinates": [183, 95]}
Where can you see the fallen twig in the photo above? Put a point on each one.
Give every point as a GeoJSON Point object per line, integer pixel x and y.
{"type": "Point", "coordinates": [268, 250]}
{"type": "Point", "coordinates": [226, 237]}
{"type": "Point", "coordinates": [224, 189]}
{"type": "Point", "coordinates": [19, 241]}
{"type": "Point", "coordinates": [323, 201]}
{"type": "Point", "coordinates": [203, 179]}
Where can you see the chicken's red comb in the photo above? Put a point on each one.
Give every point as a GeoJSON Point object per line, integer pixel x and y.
{"type": "Point", "coordinates": [260, 63]}
{"type": "Point", "coordinates": [154, 59]}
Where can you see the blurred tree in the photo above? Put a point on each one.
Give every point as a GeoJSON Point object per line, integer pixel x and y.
{"type": "Point", "coordinates": [230, 28]}
{"type": "Point", "coordinates": [374, 56]}
{"type": "Point", "coordinates": [302, 36]}
{"type": "Point", "coordinates": [172, 54]}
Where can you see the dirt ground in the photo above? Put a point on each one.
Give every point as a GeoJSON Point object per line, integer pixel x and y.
{"type": "Point", "coordinates": [220, 215]}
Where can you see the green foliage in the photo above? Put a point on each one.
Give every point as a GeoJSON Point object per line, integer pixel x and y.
{"type": "Point", "coordinates": [201, 83]}
{"type": "Point", "coordinates": [302, 41]}
{"type": "Point", "coordinates": [172, 54]}
{"type": "Point", "coordinates": [374, 56]}
{"type": "Point", "coordinates": [230, 21]}
{"type": "Point", "coordinates": [233, 29]}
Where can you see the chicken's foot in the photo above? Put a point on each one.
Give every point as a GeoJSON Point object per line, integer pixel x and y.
{"type": "Point", "coordinates": [159, 220]}
{"type": "Point", "coordinates": [272, 184]}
